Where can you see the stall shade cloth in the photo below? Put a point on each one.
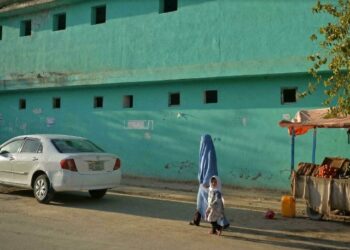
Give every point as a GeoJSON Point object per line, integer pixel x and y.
{"type": "Point", "coordinates": [323, 194]}
{"type": "Point", "coordinates": [314, 118]}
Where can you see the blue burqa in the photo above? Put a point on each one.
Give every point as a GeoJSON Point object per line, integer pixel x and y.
{"type": "Point", "coordinates": [207, 169]}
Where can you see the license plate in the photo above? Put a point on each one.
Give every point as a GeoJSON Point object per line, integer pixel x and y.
{"type": "Point", "coordinates": [96, 166]}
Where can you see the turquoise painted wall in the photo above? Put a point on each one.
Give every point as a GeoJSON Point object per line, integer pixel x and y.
{"type": "Point", "coordinates": [252, 150]}
{"type": "Point", "coordinates": [204, 38]}
{"type": "Point", "coordinates": [246, 49]}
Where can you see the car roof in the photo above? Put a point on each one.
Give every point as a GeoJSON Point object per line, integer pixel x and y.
{"type": "Point", "coordinates": [49, 136]}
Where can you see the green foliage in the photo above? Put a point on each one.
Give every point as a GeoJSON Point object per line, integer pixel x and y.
{"type": "Point", "coordinates": [334, 41]}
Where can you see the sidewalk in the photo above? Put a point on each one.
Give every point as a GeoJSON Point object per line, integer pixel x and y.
{"type": "Point", "coordinates": [252, 199]}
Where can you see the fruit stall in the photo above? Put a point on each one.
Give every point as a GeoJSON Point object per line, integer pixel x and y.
{"type": "Point", "coordinates": [326, 186]}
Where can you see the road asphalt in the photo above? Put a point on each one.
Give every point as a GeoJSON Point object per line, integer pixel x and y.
{"type": "Point", "coordinates": [151, 214]}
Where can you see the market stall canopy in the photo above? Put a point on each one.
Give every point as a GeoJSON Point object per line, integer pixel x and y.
{"type": "Point", "coordinates": [314, 118]}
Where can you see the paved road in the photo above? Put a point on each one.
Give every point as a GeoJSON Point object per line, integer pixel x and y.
{"type": "Point", "coordinates": [121, 221]}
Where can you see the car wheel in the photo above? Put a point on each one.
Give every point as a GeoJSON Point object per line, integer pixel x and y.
{"type": "Point", "coordinates": [97, 194]}
{"type": "Point", "coordinates": [42, 189]}
{"type": "Point", "coordinates": [313, 214]}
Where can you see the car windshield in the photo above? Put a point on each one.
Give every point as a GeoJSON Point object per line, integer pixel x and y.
{"type": "Point", "coordinates": [75, 146]}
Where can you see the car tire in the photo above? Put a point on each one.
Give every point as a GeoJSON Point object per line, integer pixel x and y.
{"type": "Point", "coordinates": [43, 191]}
{"type": "Point", "coordinates": [97, 194]}
{"type": "Point", "coordinates": [313, 214]}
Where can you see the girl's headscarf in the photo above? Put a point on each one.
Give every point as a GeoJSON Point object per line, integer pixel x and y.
{"type": "Point", "coordinates": [207, 160]}
{"type": "Point", "coordinates": [218, 184]}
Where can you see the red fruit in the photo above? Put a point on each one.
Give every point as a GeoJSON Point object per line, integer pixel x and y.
{"type": "Point", "coordinates": [269, 214]}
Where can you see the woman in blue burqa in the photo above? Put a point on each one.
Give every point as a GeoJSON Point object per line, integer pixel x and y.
{"type": "Point", "coordinates": [207, 169]}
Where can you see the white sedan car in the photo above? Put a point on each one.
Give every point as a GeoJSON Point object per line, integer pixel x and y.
{"type": "Point", "coordinates": [50, 163]}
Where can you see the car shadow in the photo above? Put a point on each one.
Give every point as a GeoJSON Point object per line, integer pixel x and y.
{"type": "Point", "coordinates": [14, 192]}
{"type": "Point", "coordinates": [132, 205]}
{"type": "Point", "coordinates": [246, 225]}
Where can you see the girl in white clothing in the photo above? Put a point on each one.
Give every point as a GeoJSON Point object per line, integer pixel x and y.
{"type": "Point", "coordinates": [215, 211]}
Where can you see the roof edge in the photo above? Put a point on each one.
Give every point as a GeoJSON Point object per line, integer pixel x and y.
{"type": "Point", "coordinates": [10, 8]}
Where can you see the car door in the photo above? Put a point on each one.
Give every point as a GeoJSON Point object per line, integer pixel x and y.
{"type": "Point", "coordinates": [8, 154]}
{"type": "Point", "coordinates": [26, 160]}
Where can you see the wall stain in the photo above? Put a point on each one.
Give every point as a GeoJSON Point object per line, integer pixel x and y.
{"type": "Point", "coordinates": [179, 166]}
{"type": "Point", "coordinates": [269, 177]}
{"type": "Point", "coordinates": [34, 77]}
{"type": "Point", "coordinates": [254, 178]}
{"type": "Point", "coordinates": [245, 173]}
